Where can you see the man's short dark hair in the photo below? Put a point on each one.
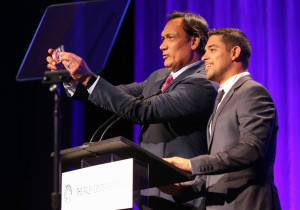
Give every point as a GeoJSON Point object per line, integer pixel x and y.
{"type": "Point", "coordinates": [234, 37]}
{"type": "Point", "coordinates": [193, 25]}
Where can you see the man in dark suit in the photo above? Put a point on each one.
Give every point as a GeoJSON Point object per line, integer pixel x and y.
{"type": "Point", "coordinates": [173, 122]}
{"type": "Point", "coordinates": [241, 133]}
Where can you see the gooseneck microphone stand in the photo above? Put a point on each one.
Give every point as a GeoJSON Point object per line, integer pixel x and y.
{"type": "Point", "coordinates": [55, 79]}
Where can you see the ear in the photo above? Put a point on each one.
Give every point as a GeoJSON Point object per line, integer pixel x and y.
{"type": "Point", "coordinates": [195, 41]}
{"type": "Point", "coordinates": [235, 52]}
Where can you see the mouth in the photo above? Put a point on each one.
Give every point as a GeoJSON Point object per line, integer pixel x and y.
{"type": "Point", "coordinates": [165, 56]}
{"type": "Point", "coordinates": [207, 66]}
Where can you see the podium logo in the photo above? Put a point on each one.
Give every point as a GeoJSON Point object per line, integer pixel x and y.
{"type": "Point", "coordinates": [68, 194]}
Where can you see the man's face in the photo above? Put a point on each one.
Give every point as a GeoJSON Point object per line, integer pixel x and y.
{"type": "Point", "coordinates": [175, 45]}
{"type": "Point", "coordinates": [217, 59]}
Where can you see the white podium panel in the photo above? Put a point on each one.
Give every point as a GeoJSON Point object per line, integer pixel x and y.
{"type": "Point", "coordinates": [107, 186]}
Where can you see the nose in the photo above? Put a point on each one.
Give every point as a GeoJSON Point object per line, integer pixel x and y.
{"type": "Point", "coordinates": [163, 46]}
{"type": "Point", "coordinates": [204, 57]}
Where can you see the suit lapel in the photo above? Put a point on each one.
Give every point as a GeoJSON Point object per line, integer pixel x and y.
{"type": "Point", "coordinates": [223, 103]}
{"type": "Point", "coordinates": [157, 84]}
{"type": "Point", "coordinates": [184, 74]}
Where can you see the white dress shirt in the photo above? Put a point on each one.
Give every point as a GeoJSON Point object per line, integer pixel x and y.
{"type": "Point", "coordinates": [226, 86]}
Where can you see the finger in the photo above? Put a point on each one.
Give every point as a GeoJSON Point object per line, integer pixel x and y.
{"type": "Point", "coordinates": [50, 60]}
{"type": "Point", "coordinates": [50, 50]}
{"type": "Point", "coordinates": [51, 64]}
{"type": "Point", "coordinates": [169, 160]}
{"type": "Point", "coordinates": [52, 67]}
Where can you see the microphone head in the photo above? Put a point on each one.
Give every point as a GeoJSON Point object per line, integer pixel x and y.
{"type": "Point", "coordinates": [140, 97]}
{"type": "Point", "coordinates": [157, 92]}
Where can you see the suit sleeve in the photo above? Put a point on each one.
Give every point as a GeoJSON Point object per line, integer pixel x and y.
{"type": "Point", "coordinates": [256, 116]}
{"type": "Point", "coordinates": [190, 99]}
{"type": "Point", "coordinates": [133, 89]}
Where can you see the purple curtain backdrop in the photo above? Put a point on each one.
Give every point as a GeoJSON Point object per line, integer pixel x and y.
{"type": "Point", "coordinates": [77, 107]}
{"type": "Point", "coordinates": [272, 28]}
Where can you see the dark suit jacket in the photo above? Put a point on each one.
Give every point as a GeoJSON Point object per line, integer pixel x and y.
{"type": "Point", "coordinates": [172, 123]}
{"type": "Point", "coordinates": [242, 148]}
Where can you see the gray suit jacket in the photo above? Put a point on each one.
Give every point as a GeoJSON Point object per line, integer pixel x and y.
{"type": "Point", "coordinates": [242, 147]}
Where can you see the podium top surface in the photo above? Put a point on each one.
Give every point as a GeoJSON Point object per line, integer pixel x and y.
{"type": "Point", "coordinates": [161, 172]}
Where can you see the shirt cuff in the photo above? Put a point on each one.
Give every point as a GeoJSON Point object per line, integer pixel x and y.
{"type": "Point", "coordinates": [71, 89]}
{"type": "Point", "coordinates": [90, 90]}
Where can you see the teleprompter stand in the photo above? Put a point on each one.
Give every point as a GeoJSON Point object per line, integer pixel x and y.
{"type": "Point", "coordinates": [54, 79]}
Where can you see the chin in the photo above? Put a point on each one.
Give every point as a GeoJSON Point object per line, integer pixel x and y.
{"type": "Point", "coordinates": [168, 66]}
{"type": "Point", "coordinates": [209, 77]}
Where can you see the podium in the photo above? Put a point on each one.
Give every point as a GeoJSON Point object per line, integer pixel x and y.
{"type": "Point", "coordinates": [148, 170]}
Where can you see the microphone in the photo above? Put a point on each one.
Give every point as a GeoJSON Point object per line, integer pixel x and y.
{"type": "Point", "coordinates": [140, 97]}
{"type": "Point", "coordinates": [116, 120]}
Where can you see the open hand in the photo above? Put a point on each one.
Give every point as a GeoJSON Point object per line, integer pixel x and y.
{"type": "Point", "coordinates": [179, 162]}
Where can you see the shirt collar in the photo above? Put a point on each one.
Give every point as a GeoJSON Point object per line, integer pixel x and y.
{"type": "Point", "coordinates": [227, 85]}
{"type": "Point", "coordinates": [177, 73]}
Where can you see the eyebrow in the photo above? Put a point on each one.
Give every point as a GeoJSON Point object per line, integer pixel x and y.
{"type": "Point", "coordinates": [169, 34]}
{"type": "Point", "coordinates": [212, 45]}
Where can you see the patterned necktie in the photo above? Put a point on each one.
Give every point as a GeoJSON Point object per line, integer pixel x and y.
{"type": "Point", "coordinates": [218, 99]}
{"type": "Point", "coordinates": [168, 81]}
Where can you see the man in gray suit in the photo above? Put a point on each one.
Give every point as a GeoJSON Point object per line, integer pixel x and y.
{"type": "Point", "coordinates": [237, 173]}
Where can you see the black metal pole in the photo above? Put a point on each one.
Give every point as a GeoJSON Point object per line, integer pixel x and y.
{"type": "Point", "coordinates": [56, 194]}
{"type": "Point", "coordinates": [55, 78]}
